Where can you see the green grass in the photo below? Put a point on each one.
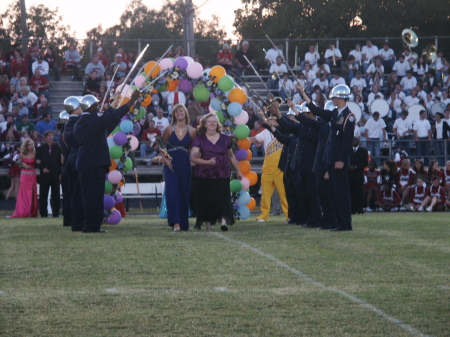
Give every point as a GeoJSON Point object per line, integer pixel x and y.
{"type": "Point", "coordinates": [140, 279]}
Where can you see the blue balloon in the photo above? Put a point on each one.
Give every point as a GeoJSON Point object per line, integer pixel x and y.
{"type": "Point", "coordinates": [110, 141]}
{"type": "Point", "coordinates": [216, 104]}
{"type": "Point", "coordinates": [244, 198]}
{"type": "Point", "coordinates": [244, 212]}
{"type": "Point", "coordinates": [206, 72]}
{"type": "Point", "coordinates": [126, 126]}
{"type": "Point", "coordinates": [234, 109]}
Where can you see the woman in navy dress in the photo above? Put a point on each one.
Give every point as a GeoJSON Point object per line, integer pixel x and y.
{"type": "Point", "coordinates": [177, 172]}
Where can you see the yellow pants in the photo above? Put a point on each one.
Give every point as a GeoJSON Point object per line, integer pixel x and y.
{"type": "Point", "coordinates": [269, 181]}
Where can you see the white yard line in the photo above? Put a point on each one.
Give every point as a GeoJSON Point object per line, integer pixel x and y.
{"type": "Point", "coordinates": [323, 286]}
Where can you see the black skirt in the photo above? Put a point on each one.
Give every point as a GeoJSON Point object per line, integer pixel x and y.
{"type": "Point", "coordinates": [213, 200]}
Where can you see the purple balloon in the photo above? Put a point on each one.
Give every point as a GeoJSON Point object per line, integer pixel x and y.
{"type": "Point", "coordinates": [185, 85]}
{"type": "Point", "coordinates": [124, 118]}
{"type": "Point", "coordinates": [115, 217]}
{"type": "Point", "coordinates": [108, 202]}
{"type": "Point", "coordinates": [181, 63]}
{"type": "Point", "coordinates": [118, 197]}
{"type": "Point", "coordinates": [136, 129]}
{"type": "Point", "coordinates": [120, 138]}
{"type": "Point", "coordinates": [241, 154]}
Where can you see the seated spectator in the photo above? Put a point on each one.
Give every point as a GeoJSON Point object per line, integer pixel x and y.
{"type": "Point", "coordinates": [359, 82]}
{"type": "Point", "coordinates": [317, 94]}
{"type": "Point", "coordinates": [408, 82]}
{"type": "Point", "coordinates": [23, 110]}
{"type": "Point", "coordinates": [29, 98]}
{"type": "Point", "coordinates": [15, 115]}
{"type": "Point", "coordinates": [404, 181]}
{"type": "Point", "coordinates": [420, 92]}
{"type": "Point", "coordinates": [92, 84]}
{"type": "Point", "coordinates": [25, 124]}
{"type": "Point", "coordinates": [46, 123]}
{"type": "Point", "coordinates": [349, 68]}
{"type": "Point", "coordinates": [161, 122]}
{"type": "Point", "coordinates": [72, 60]}
{"type": "Point", "coordinates": [14, 81]}
{"type": "Point", "coordinates": [52, 59]}
{"type": "Point", "coordinates": [4, 86]}
{"type": "Point", "coordinates": [276, 71]}
{"type": "Point", "coordinates": [42, 65]}
{"type": "Point", "coordinates": [18, 64]}
{"type": "Point", "coordinates": [175, 97]}
{"type": "Point", "coordinates": [321, 68]}
{"type": "Point", "coordinates": [10, 134]}
{"type": "Point", "coordinates": [44, 108]}
{"type": "Point", "coordinates": [102, 94]}
{"type": "Point", "coordinates": [4, 124]}
{"type": "Point", "coordinates": [420, 172]}
{"type": "Point", "coordinates": [257, 148]}
{"type": "Point", "coordinates": [400, 156]}
{"type": "Point", "coordinates": [118, 62]}
{"type": "Point", "coordinates": [285, 87]}
{"type": "Point", "coordinates": [225, 57]}
{"type": "Point", "coordinates": [23, 82]}
{"type": "Point", "coordinates": [430, 81]}
{"type": "Point", "coordinates": [3, 107]}
{"type": "Point", "coordinates": [395, 110]}
{"type": "Point", "coordinates": [97, 66]}
{"type": "Point", "coordinates": [377, 80]}
{"type": "Point", "coordinates": [392, 81]}
{"type": "Point", "coordinates": [387, 57]}
{"type": "Point", "coordinates": [241, 63]}
{"type": "Point", "coordinates": [39, 84]}
{"type": "Point", "coordinates": [436, 94]}
{"type": "Point", "coordinates": [389, 172]}
{"type": "Point", "coordinates": [131, 59]}
{"type": "Point", "coordinates": [375, 67]}
{"type": "Point", "coordinates": [101, 53]}
{"type": "Point", "coordinates": [273, 53]}
{"type": "Point", "coordinates": [194, 110]}
{"type": "Point", "coordinates": [252, 117]}
{"type": "Point", "coordinates": [400, 67]}
{"type": "Point", "coordinates": [149, 147]}
{"type": "Point", "coordinates": [310, 76]}
{"type": "Point", "coordinates": [435, 172]}
{"type": "Point", "coordinates": [388, 198]}
{"type": "Point", "coordinates": [435, 197]}
{"type": "Point", "coordinates": [374, 94]}
{"type": "Point", "coordinates": [337, 79]}
{"type": "Point", "coordinates": [31, 56]}
{"type": "Point", "coordinates": [333, 53]}
{"type": "Point", "coordinates": [322, 82]}
{"type": "Point", "coordinates": [417, 195]}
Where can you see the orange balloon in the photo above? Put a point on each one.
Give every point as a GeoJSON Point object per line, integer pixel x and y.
{"type": "Point", "coordinates": [249, 155]}
{"type": "Point", "coordinates": [237, 95]}
{"type": "Point", "coordinates": [245, 167]}
{"type": "Point", "coordinates": [216, 73]}
{"type": "Point", "coordinates": [244, 144]}
{"type": "Point", "coordinates": [172, 85]}
{"type": "Point", "coordinates": [251, 204]}
{"type": "Point", "coordinates": [149, 66]}
{"type": "Point", "coordinates": [113, 165]}
{"type": "Point", "coordinates": [147, 101]}
{"type": "Point", "coordinates": [124, 100]}
{"type": "Point", "coordinates": [121, 183]}
{"type": "Point", "coordinates": [252, 177]}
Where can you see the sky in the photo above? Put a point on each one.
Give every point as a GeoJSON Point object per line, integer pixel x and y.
{"type": "Point", "coordinates": [83, 15]}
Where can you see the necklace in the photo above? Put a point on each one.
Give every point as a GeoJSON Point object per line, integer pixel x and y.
{"type": "Point", "coordinates": [179, 131]}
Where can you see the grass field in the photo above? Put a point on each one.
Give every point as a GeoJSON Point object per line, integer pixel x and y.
{"type": "Point", "coordinates": [388, 277]}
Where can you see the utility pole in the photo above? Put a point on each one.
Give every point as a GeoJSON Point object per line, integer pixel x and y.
{"type": "Point", "coordinates": [23, 26]}
{"type": "Point", "coordinates": [188, 27]}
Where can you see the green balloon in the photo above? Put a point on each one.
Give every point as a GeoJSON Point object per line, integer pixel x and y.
{"type": "Point", "coordinates": [220, 116]}
{"type": "Point", "coordinates": [115, 151]}
{"type": "Point", "coordinates": [108, 186]}
{"type": "Point", "coordinates": [162, 88]}
{"type": "Point", "coordinates": [128, 165]}
{"type": "Point", "coordinates": [141, 113]}
{"type": "Point", "coordinates": [226, 83]}
{"type": "Point", "coordinates": [241, 131]}
{"type": "Point", "coordinates": [201, 93]}
{"type": "Point", "coordinates": [235, 186]}
{"type": "Point", "coordinates": [117, 129]}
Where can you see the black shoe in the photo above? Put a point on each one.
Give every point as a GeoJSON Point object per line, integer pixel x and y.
{"type": "Point", "coordinates": [99, 231]}
{"type": "Point", "coordinates": [339, 229]}
{"type": "Point", "coordinates": [224, 228]}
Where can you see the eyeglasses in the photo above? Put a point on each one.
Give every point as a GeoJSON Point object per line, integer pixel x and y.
{"type": "Point", "coordinates": [211, 122]}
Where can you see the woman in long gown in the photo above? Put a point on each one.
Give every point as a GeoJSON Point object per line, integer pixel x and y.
{"type": "Point", "coordinates": [27, 200]}
{"type": "Point", "coordinates": [177, 172]}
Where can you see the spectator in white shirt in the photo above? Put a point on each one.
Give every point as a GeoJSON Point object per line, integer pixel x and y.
{"type": "Point", "coordinates": [436, 94]}
{"type": "Point", "coordinates": [311, 57]}
{"type": "Point", "coordinates": [368, 52]}
{"type": "Point", "coordinates": [420, 92]}
{"type": "Point", "coordinates": [330, 52]}
{"type": "Point", "coordinates": [357, 54]}
{"type": "Point", "coordinates": [174, 98]}
{"type": "Point", "coordinates": [401, 66]}
{"type": "Point", "coordinates": [374, 95]}
{"type": "Point", "coordinates": [412, 99]}
{"type": "Point", "coordinates": [403, 129]}
{"type": "Point", "coordinates": [161, 122]}
{"type": "Point", "coordinates": [42, 65]}
{"type": "Point", "coordinates": [310, 76]}
{"type": "Point", "coordinates": [375, 130]}
{"type": "Point", "coordinates": [285, 87]}
{"type": "Point", "coordinates": [277, 69]}
{"type": "Point", "coordinates": [322, 82]}
{"type": "Point", "coordinates": [387, 57]}
{"type": "Point", "coordinates": [273, 53]}
{"type": "Point", "coordinates": [336, 80]}
{"type": "Point", "coordinates": [321, 68]}
{"type": "Point", "coordinates": [399, 93]}
{"type": "Point", "coordinates": [395, 105]}
{"type": "Point", "coordinates": [408, 82]}
{"type": "Point", "coordinates": [422, 135]}
{"type": "Point", "coordinates": [376, 66]}
{"type": "Point", "coordinates": [358, 81]}
{"type": "Point", "coordinates": [409, 57]}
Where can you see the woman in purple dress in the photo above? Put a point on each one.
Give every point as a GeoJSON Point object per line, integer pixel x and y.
{"type": "Point", "coordinates": [212, 154]}
{"type": "Point", "coordinates": [27, 200]}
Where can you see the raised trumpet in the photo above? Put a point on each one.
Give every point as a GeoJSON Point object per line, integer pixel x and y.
{"type": "Point", "coordinates": [410, 38]}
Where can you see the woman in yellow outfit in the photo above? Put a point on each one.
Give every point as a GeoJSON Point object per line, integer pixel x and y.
{"type": "Point", "coordinates": [272, 176]}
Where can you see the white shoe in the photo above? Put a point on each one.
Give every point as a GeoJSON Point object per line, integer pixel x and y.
{"type": "Point", "coordinates": [403, 209]}
{"type": "Point", "coordinates": [380, 210]}
{"type": "Point", "coordinates": [261, 220]}
{"type": "Point", "coordinates": [368, 209]}
{"type": "Point", "coordinates": [430, 209]}
{"type": "Point", "coordinates": [420, 209]}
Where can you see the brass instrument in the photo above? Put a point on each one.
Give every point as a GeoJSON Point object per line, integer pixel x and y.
{"type": "Point", "coordinates": [410, 40]}
{"type": "Point", "coordinates": [359, 60]}
{"type": "Point", "coordinates": [275, 76]}
{"type": "Point", "coordinates": [430, 53]}
{"type": "Point", "coordinates": [316, 52]}
{"type": "Point", "coordinates": [334, 55]}
{"type": "Point", "coordinates": [296, 56]}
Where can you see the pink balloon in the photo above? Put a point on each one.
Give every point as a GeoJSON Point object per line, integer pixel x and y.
{"type": "Point", "coordinates": [134, 143]}
{"type": "Point", "coordinates": [211, 109]}
{"type": "Point", "coordinates": [114, 177]}
{"type": "Point", "coordinates": [194, 70]}
{"type": "Point", "coordinates": [166, 64]}
{"type": "Point", "coordinates": [189, 60]}
{"type": "Point", "coordinates": [245, 183]}
{"type": "Point", "coordinates": [119, 198]}
{"type": "Point", "coordinates": [126, 92]}
{"type": "Point", "coordinates": [242, 118]}
{"type": "Point", "coordinates": [139, 81]}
